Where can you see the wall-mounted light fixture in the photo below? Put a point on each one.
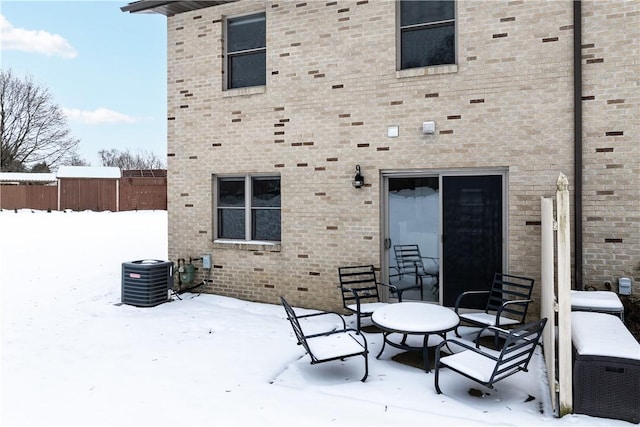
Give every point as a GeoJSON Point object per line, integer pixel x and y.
{"type": "Point", "coordinates": [358, 180]}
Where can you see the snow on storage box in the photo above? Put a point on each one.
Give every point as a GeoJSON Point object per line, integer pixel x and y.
{"type": "Point", "coordinates": [600, 301]}
{"type": "Point", "coordinates": [146, 283]}
{"type": "Point", "coordinates": [606, 371]}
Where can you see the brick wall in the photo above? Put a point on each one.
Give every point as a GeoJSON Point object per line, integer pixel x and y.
{"type": "Point", "coordinates": [611, 100]}
{"type": "Point", "coordinates": [332, 89]}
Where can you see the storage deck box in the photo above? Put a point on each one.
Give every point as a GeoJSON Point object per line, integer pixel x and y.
{"type": "Point", "coordinates": [599, 301]}
{"type": "Point", "coordinates": [606, 375]}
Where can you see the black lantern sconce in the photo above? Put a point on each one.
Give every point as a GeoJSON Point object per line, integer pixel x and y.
{"type": "Point", "coordinates": [358, 180]}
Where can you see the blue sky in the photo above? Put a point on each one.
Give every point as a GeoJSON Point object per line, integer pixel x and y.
{"type": "Point", "coordinates": [105, 68]}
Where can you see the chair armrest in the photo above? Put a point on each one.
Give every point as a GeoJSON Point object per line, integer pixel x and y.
{"type": "Point", "coordinates": [356, 295]}
{"type": "Point", "coordinates": [465, 346]}
{"type": "Point", "coordinates": [335, 331]}
{"type": "Point", "coordinates": [489, 327]}
{"type": "Point", "coordinates": [464, 294]}
{"type": "Point", "coordinates": [500, 331]}
{"type": "Point", "coordinates": [344, 324]}
{"type": "Point", "coordinates": [392, 288]}
{"type": "Point", "coordinates": [516, 301]}
{"type": "Point", "coordinates": [399, 273]}
{"type": "Point", "coordinates": [508, 303]}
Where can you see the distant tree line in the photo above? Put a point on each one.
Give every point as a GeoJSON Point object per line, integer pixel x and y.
{"type": "Point", "coordinates": [127, 160]}
{"type": "Point", "coordinates": [35, 137]}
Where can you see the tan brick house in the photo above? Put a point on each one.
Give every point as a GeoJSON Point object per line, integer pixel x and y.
{"type": "Point", "coordinates": [459, 115]}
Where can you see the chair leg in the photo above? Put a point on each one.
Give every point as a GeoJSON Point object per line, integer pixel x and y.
{"type": "Point", "coordinates": [436, 377]}
{"type": "Point", "coordinates": [366, 367]}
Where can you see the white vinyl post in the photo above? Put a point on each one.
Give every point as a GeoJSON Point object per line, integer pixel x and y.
{"type": "Point", "coordinates": [548, 303]}
{"type": "Point", "coordinates": [564, 297]}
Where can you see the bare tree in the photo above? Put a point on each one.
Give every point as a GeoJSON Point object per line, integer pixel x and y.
{"type": "Point", "coordinates": [75, 160]}
{"type": "Point", "coordinates": [33, 128]}
{"type": "Point", "coordinates": [126, 160]}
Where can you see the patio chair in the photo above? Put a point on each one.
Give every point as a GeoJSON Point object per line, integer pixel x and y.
{"type": "Point", "coordinates": [360, 291]}
{"type": "Point", "coordinates": [409, 261]}
{"type": "Point", "coordinates": [487, 366]}
{"type": "Point", "coordinates": [507, 303]}
{"type": "Point", "coordinates": [336, 344]}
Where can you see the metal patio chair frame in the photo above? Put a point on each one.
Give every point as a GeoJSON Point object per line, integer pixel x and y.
{"type": "Point", "coordinates": [507, 303]}
{"type": "Point", "coordinates": [335, 344]}
{"type": "Point", "coordinates": [361, 291]}
{"type": "Point", "coordinates": [487, 366]}
{"type": "Point", "coordinates": [409, 261]}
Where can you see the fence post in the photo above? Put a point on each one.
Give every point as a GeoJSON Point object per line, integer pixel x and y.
{"type": "Point", "coordinates": [564, 296]}
{"type": "Point", "coordinates": [548, 293]}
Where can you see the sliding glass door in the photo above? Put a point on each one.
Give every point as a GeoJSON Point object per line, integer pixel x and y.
{"type": "Point", "coordinates": [457, 222]}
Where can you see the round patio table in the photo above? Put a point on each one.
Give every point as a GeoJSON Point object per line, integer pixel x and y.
{"type": "Point", "coordinates": [414, 318]}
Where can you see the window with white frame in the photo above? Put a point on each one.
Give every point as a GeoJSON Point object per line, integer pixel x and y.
{"type": "Point", "coordinates": [246, 51]}
{"type": "Point", "coordinates": [427, 33]}
{"type": "Point", "coordinates": [248, 208]}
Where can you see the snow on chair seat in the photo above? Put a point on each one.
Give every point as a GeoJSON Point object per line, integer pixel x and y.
{"type": "Point", "coordinates": [487, 366]}
{"type": "Point", "coordinates": [336, 344]}
{"type": "Point", "coordinates": [367, 308]}
{"type": "Point", "coordinates": [489, 319]}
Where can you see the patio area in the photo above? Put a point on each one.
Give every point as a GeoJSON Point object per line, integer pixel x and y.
{"type": "Point", "coordinates": [73, 355]}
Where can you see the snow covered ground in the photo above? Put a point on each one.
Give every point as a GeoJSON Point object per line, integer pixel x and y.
{"type": "Point", "coordinates": [73, 355]}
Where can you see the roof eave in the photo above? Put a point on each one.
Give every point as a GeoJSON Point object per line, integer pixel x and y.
{"type": "Point", "coordinates": [169, 8]}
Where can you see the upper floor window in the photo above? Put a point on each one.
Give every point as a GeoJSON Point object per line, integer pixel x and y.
{"type": "Point", "coordinates": [246, 51]}
{"type": "Point", "coordinates": [248, 208]}
{"type": "Point", "coordinates": [427, 33]}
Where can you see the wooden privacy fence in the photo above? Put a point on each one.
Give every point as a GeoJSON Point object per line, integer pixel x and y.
{"type": "Point", "coordinates": [125, 194]}
{"type": "Point", "coordinates": [141, 193]}
{"type": "Point", "coordinates": [41, 197]}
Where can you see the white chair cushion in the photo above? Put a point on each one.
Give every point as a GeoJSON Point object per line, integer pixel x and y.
{"type": "Point", "coordinates": [334, 345]}
{"type": "Point", "coordinates": [478, 366]}
{"type": "Point", "coordinates": [487, 318]}
{"type": "Point", "coordinates": [470, 363]}
{"type": "Point", "coordinates": [367, 308]}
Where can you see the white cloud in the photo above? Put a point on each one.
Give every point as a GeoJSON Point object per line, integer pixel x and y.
{"type": "Point", "coordinates": [37, 41]}
{"type": "Point", "coordinates": [98, 116]}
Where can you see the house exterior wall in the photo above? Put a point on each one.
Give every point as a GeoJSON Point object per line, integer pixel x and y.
{"type": "Point", "coordinates": [333, 88]}
{"type": "Point", "coordinates": [611, 108]}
